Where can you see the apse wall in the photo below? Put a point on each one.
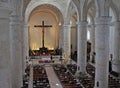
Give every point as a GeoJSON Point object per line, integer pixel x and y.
{"type": "Point", "coordinates": [50, 34]}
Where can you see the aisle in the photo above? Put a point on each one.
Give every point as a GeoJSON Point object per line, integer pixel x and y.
{"type": "Point", "coordinates": [30, 85]}
{"type": "Point", "coordinates": [53, 79]}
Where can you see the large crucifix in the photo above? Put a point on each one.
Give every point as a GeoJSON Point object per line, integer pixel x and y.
{"type": "Point", "coordinates": [43, 26]}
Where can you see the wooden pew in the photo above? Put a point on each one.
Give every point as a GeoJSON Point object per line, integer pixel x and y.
{"type": "Point", "coordinates": [40, 79]}
{"type": "Point", "coordinates": [65, 77]}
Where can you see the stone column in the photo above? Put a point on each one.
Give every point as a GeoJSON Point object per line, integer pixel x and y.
{"type": "Point", "coordinates": [5, 65]}
{"type": "Point", "coordinates": [66, 43]}
{"type": "Point", "coordinates": [16, 51]}
{"type": "Point", "coordinates": [22, 47]}
{"type": "Point", "coordinates": [92, 40]}
{"type": "Point", "coordinates": [25, 44]}
{"type": "Point", "coordinates": [60, 36]}
{"type": "Point", "coordinates": [116, 57]}
{"type": "Point", "coordinates": [102, 51]}
{"type": "Point", "coordinates": [82, 47]}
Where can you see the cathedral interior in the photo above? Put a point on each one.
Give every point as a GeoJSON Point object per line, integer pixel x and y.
{"type": "Point", "coordinates": [59, 44]}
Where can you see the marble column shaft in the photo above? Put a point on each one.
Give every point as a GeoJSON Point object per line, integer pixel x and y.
{"type": "Point", "coordinates": [116, 57]}
{"type": "Point", "coordinates": [22, 46]}
{"type": "Point", "coordinates": [116, 41]}
{"type": "Point", "coordinates": [5, 66]}
{"type": "Point", "coordinates": [25, 44]}
{"type": "Point", "coordinates": [16, 51]}
{"type": "Point", "coordinates": [66, 42]}
{"type": "Point", "coordinates": [92, 38]}
{"type": "Point", "coordinates": [60, 36]}
{"type": "Point", "coordinates": [82, 47]}
{"type": "Point", "coordinates": [102, 51]}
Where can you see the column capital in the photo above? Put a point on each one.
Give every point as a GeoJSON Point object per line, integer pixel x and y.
{"type": "Point", "coordinates": [15, 20]}
{"type": "Point", "coordinates": [15, 17]}
{"type": "Point", "coordinates": [105, 20]}
{"type": "Point", "coordinates": [26, 25]}
{"type": "Point", "coordinates": [91, 26]}
{"type": "Point", "coordinates": [66, 25]}
{"type": "Point", "coordinates": [82, 23]}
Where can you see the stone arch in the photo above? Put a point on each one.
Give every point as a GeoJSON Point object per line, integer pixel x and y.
{"type": "Point", "coordinates": [71, 10]}
{"type": "Point", "coordinates": [115, 10]}
{"type": "Point", "coordinates": [52, 9]}
{"type": "Point", "coordinates": [33, 4]}
{"type": "Point", "coordinates": [84, 12]}
{"type": "Point", "coordinates": [91, 17]}
{"type": "Point", "coordinates": [77, 7]}
{"type": "Point", "coordinates": [90, 10]}
{"type": "Point", "coordinates": [112, 6]}
{"type": "Point", "coordinates": [86, 7]}
{"type": "Point", "coordinates": [102, 9]}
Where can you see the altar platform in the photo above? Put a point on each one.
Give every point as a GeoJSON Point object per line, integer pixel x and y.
{"type": "Point", "coordinates": [45, 56]}
{"type": "Point", "coordinates": [41, 60]}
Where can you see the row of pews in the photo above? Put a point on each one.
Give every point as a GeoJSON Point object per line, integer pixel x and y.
{"type": "Point", "coordinates": [40, 79]}
{"type": "Point", "coordinates": [90, 70]}
{"type": "Point", "coordinates": [66, 78]}
{"type": "Point", "coordinates": [66, 75]}
{"type": "Point", "coordinates": [114, 83]}
{"type": "Point", "coordinates": [88, 81]}
{"type": "Point", "coordinates": [72, 68]}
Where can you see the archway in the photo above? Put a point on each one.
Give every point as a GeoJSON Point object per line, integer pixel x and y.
{"type": "Point", "coordinates": [50, 14]}
{"type": "Point", "coordinates": [40, 14]}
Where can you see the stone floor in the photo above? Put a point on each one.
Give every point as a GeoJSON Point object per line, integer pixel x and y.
{"type": "Point", "coordinates": [53, 79]}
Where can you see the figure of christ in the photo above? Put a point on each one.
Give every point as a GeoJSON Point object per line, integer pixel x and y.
{"type": "Point", "coordinates": [43, 26]}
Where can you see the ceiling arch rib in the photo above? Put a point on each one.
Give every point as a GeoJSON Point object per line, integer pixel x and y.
{"type": "Point", "coordinates": [77, 6]}
{"type": "Point", "coordinates": [52, 9]}
{"type": "Point", "coordinates": [115, 10]}
{"type": "Point", "coordinates": [72, 11]}
{"type": "Point", "coordinates": [33, 4]}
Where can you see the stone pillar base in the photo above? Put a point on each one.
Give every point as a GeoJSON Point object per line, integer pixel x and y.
{"type": "Point", "coordinates": [79, 74]}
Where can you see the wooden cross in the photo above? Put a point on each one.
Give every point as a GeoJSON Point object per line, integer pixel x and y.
{"type": "Point", "coordinates": [43, 26]}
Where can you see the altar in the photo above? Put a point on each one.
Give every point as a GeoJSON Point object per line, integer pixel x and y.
{"type": "Point", "coordinates": [44, 59]}
{"type": "Point", "coordinates": [45, 52]}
